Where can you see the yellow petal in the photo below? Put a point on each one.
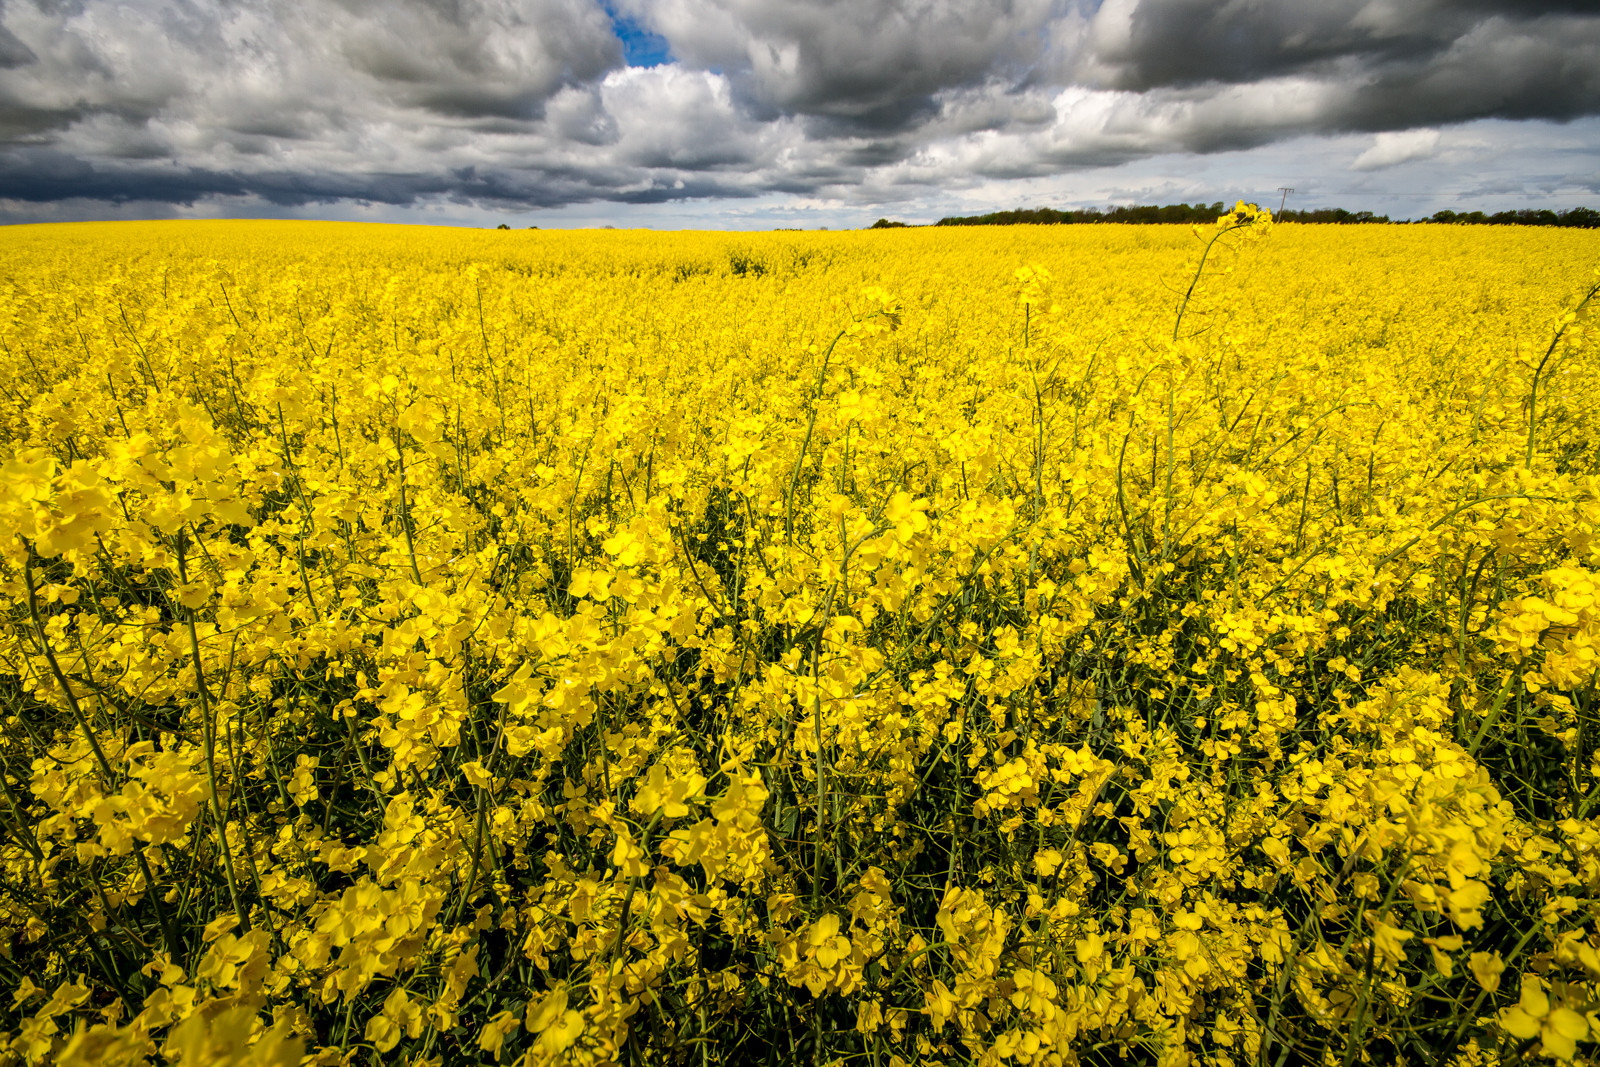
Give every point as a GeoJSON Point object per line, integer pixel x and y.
{"type": "Point", "coordinates": [1562, 1048]}
{"type": "Point", "coordinates": [1567, 1023]}
{"type": "Point", "coordinates": [823, 930]}
{"type": "Point", "coordinates": [1534, 1001]}
{"type": "Point", "coordinates": [1519, 1023]}
{"type": "Point", "coordinates": [1486, 968]}
{"type": "Point", "coordinates": [548, 1011]}
{"type": "Point", "coordinates": [566, 1030]}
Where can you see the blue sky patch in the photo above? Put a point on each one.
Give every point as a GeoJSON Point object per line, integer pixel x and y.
{"type": "Point", "coordinates": [640, 47]}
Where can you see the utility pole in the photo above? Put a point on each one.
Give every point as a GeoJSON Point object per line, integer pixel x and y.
{"type": "Point", "coordinates": [1285, 190]}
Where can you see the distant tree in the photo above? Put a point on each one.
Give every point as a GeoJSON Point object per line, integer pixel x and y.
{"type": "Point", "coordinates": [1584, 217]}
{"type": "Point", "coordinates": [503, 226]}
{"type": "Point", "coordinates": [885, 224]}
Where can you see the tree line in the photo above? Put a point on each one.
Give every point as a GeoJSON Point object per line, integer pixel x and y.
{"type": "Point", "coordinates": [1579, 217]}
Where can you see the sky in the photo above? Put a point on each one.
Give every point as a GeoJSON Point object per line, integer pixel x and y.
{"type": "Point", "coordinates": [759, 114]}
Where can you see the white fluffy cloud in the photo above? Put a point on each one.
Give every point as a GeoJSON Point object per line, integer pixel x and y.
{"type": "Point", "coordinates": [1392, 149]}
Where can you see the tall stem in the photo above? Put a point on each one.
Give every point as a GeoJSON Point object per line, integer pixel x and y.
{"type": "Point", "coordinates": [209, 725]}
{"type": "Point", "coordinates": [821, 763]}
{"type": "Point", "coordinates": [173, 945]}
{"type": "Point", "coordinates": [1196, 279]}
{"type": "Point", "coordinates": [805, 444]}
{"type": "Point", "coordinates": [405, 511]}
{"type": "Point", "coordinates": [1533, 390]}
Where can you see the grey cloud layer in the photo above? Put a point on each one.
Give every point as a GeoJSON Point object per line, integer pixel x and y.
{"type": "Point", "coordinates": [877, 64]}
{"type": "Point", "coordinates": [529, 103]}
{"type": "Point", "coordinates": [1400, 64]}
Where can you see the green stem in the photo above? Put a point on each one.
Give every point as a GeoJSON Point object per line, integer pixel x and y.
{"type": "Point", "coordinates": [1533, 391]}
{"type": "Point", "coordinates": [405, 511]}
{"type": "Point", "coordinates": [821, 764]}
{"type": "Point", "coordinates": [167, 929]}
{"type": "Point", "coordinates": [208, 724]}
{"type": "Point", "coordinates": [633, 886]}
{"type": "Point", "coordinates": [805, 445]}
{"type": "Point", "coordinates": [1196, 279]}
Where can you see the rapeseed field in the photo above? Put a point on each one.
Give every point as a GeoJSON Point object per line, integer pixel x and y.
{"type": "Point", "coordinates": [1074, 645]}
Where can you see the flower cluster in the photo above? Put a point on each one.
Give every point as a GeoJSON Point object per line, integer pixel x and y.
{"type": "Point", "coordinates": [611, 648]}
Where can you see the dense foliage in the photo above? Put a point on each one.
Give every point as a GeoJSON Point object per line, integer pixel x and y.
{"type": "Point", "coordinates": [443, 646]}
{"type": "Point", "coordinates": [1578, 217]}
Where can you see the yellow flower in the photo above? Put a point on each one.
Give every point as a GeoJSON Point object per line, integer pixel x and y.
{"type": "Point", "coordinates": [1034, 278]}
{"type": "Point", "coordinates": [495, 1031]}
{"type": "Point", "coordinates": [1388, 941]}
{"type": "Point", "coordinates": [225, 1037]}
{"type": "Point", "coordinates": [669, 796]}
{"type": "Point", "coordinates": [377, 589]}
{"type": "Point", "coordinates": [1558, 1029]}
{"type": "Point", "coordinates": [562, 1033]}
{"type": "Point", "coordinates": [1441, 947]}
{"type": "Point", "coordinates": [939, 1004]}
{"type": "Point", "coordinates": [543, 1013]}
{"type": "Point", "coordinates": [1245, 215]}
{"type": "Point", "coordinates": [473, 771]}
{"type": "Point", "coordinates": [627, 857]}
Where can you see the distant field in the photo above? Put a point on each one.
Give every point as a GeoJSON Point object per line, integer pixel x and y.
{"type": "Point", "coordinates": [1020, 645]}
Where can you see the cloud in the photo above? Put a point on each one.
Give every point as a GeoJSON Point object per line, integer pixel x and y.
{"type": "Point", "coordinates": [867, 64]}
{"type": "Point", "coordinates": [532, 103]}
{"type": "Point", "coordinates": [295, 68]}
{"type": "Point", "coordinates": [1392, 149]}
{"type": "Point", "coordinates": [13, 53]}
{"type": "Point", "coordinates": [1377, 47]}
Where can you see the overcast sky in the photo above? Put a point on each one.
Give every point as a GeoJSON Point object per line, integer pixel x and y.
{"type": "Point", "coordinates": [763, 113]}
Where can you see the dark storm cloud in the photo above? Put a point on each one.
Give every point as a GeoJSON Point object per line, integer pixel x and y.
{"type": "Point", "coordinates": [1410, 63]}
{"type": "Point", "coordinates": [1545, 69]}
{"type": "Point", "coordinates": [13, 53]}
{"type": "Point", "coordinates": [530, 102]}
{"type": "Point", "coordinates": [465, 59]}
{"type": "Point", "coordinates": [1174, 43]}
{"type": "Point", "coordinates": [43, 182]}
{"type": "Point", "coordinates": [879, 64]}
